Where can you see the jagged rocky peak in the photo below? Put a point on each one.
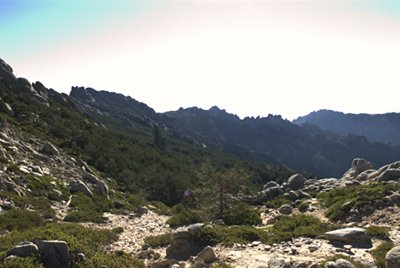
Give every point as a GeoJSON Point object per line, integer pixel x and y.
{"type": "Point", "coordinates": [82, 94]}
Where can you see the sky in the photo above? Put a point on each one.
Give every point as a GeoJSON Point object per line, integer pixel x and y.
{"type": "Point", "coordinates": [252, 58]}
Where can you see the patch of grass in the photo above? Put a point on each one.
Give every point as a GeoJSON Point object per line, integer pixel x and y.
{"type": "Point", "coordinates": [341, 256]}
{"type": "Point", "coordinates": [340, 201]}
{"type": "Point", "coordinates": [379, 253]}
{"type": "Point", "coordinates": [158, 240]}
{"type": "Point", "coordinates": [242, 214]}
{"type": "Point", "coordinates": [159, 207]}
{"type": "Point", "coordinates": [18, 262]}
{"type": "Point", "coordinates": [380, 232]}
{"type": "Point", "coordinates": [277, 202]}
{"type": "Point", "coordinates": [80, 239]}
{"type": "Point", "coordinates": [284, 229]}
{"type": "Point", "coordinates": [20, 219]}
{"type": "Point", "coordinates": [184, 218]}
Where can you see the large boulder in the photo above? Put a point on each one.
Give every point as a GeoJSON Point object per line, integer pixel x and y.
{"type": "Point", "coordinates": [296, 182]}
{"type": "Point", "coordinates": [392, 259]}
{"type": "Point", "coordinates": [183, 243]}
{"type": "Point", "coordinates": [268, 194]}
{"type": "Point", "coordinates": [53, 253]}
{"type": "Point", "coordinates": [6, 73]}
{"type": "Point", "coordinates": [353, 235]}
{"type": "Point", "coordinates": [24, 249]}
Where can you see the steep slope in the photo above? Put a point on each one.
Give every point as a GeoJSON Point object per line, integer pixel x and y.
{"type": "Point", "coordinates": [375, 127]}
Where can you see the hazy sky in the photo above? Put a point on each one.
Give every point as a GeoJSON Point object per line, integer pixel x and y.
{"type": "Point", "coordinates": [249, 57]}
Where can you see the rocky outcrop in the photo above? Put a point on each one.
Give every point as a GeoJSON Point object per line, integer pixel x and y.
{"type": "Point", "coordinates": [392, 259]}
{"type": "Point", "coordinates": [357, 166]}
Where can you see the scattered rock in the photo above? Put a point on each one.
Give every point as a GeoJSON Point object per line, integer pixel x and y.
{"type": "Point", "coordinates": [357, 166]}
{"type": "Point", "coordinates": [392, 259]}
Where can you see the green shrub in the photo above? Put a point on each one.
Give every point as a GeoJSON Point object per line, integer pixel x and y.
{"type": "Point", "coordinates": [242, 214]}
{"type": "Point", "coordinates": [379, 253]}
{"type": "Point", "coordinates": [380, 232]}
{"type": "Point", "coordinates": [277, 202]}
{"type": "Point", "coordinates": [340, 201]}
{"type": "Point", "coordinates": [20, 219]}
{"type": "Point", "coordinates": [158, 240]}
{"type": "Point", "coordinates": [184, 218]}
{"type": "Point", "coordinates": [303, 206]}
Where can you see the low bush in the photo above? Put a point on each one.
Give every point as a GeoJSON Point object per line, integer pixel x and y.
{"type": "Point", "coordinates": [158, 240]}
{"type": "Point", "coordinates": [242, 214]}
{"type": "Point", "coordinates": [184, 218]}
{"type": "Point", "coordinates": [20, 219]}
{"type": "Point", "coordinates": [380, 232]}
{"type": "Point", "coordinates": [379, 253]}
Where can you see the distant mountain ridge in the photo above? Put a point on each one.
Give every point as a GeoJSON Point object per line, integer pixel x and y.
{"type": "Point", "coordinates": [375, 127]}
{"type": "Point", "coordinates": [268, 139]}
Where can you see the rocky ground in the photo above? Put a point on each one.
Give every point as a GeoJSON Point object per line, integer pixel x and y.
{"type": "Point", "coordinates": [23, 155]}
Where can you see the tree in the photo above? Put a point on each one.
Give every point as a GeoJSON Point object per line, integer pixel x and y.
{"type": "Point", "coordinates": [217, 184]}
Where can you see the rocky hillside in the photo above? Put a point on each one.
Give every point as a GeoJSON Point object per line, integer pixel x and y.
{"type": "Point", "coordinates": [375, 127]}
